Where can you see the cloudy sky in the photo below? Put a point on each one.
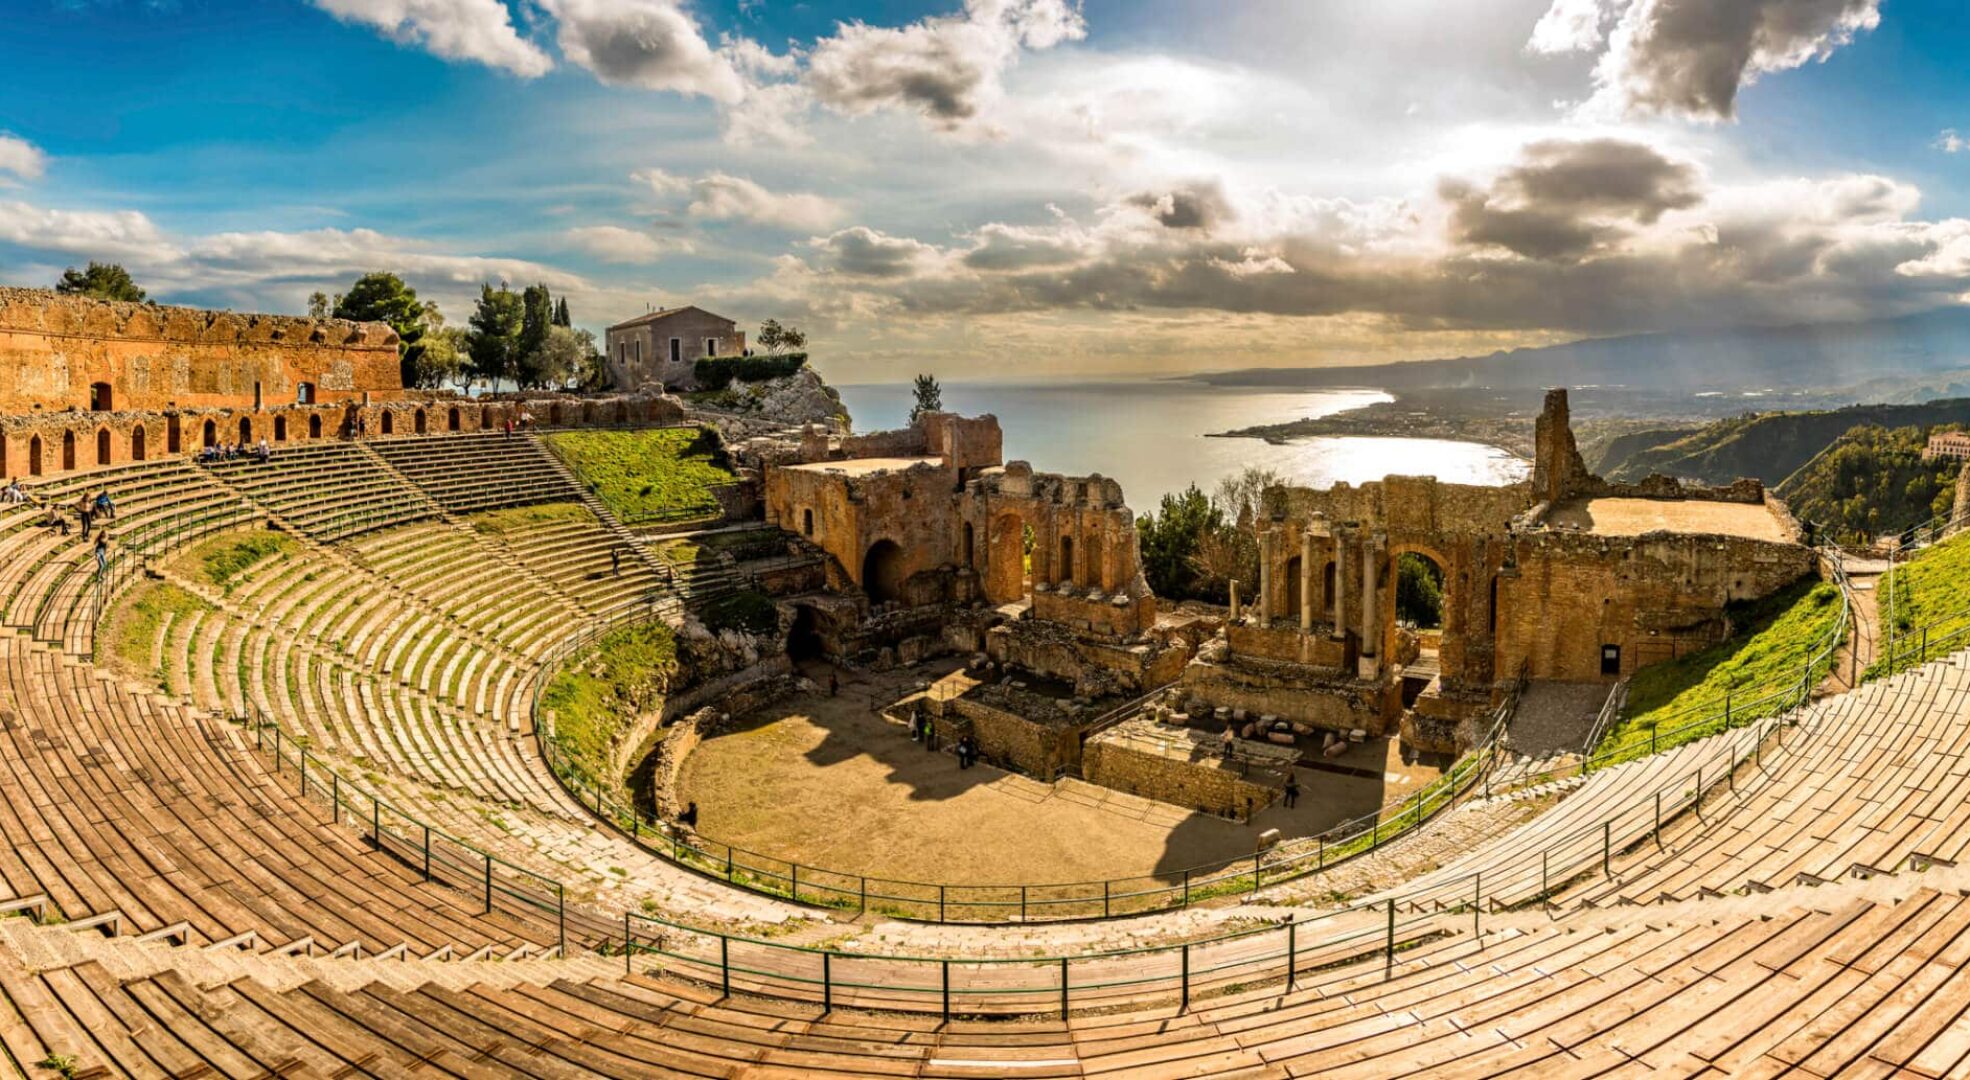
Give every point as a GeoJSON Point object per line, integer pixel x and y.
{"type": "Point", "coordinates": [1014, 188]}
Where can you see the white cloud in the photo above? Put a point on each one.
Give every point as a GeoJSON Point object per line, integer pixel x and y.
{"type": "Point", "coordinates": [1691, 57]}
{"type": "Point", "coordinates": [125, 235]}
{"type": "Point", "coordinates": [660, 182]}
{"type": "Point", "coordinates": [615, 244]}
{"type": "Point", "coordinates": [946, 67]}
{"type": "Point", "coordinates": [476, 30]}
{"type": "Point", "coordinates": [21, 158]}
{"type": "Point", "coordinates": [722, 197]}
{"type": "Point", "coordinates": [1949, 142]}
{"type": "Point", "coordinates": [652, 44]}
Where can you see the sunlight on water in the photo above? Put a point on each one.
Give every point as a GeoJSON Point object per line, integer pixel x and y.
{"type": "Point", "coordinates": [1150, 435]}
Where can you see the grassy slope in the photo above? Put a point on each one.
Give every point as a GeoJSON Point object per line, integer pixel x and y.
{"type": "Point", "coordinates": [606, 688]}
{"type": "Point", "coordinates": [1765, 659]}
{"type": "Point", "coordinates": [133, 628]}
{"type": "Point", "coordinates": [656, 475]}
{"type": "Point", "coordinates": [522, 518]}
{"type": "Point", "coordinates": [223, 560]}
{"type": "Point", "coordinates": [1932, 592]}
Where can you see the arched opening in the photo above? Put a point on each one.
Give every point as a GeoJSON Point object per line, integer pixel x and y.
{"type": "Point", "coordinates": [34, 456]}
{"type": "Point", "coordinates": [1295, 591]}
{"type": "Point", "coordinates": [807, 522]}
{"type": "Point", "coordinates": [304, 394]}
{"type": "Point", "coordinates": [1327, 594]}
{"type": "Point", "coordinates": [882, 572]}
{"type": "Point", "coordinates": [804, 639]}
{"type": "Point", "coordinates": [211, 433]}
{"type": "Point", "coordinates": [451, 419]}
{"type": "Point", "coordinates": [99, 397]}
{"type": "Point", "coordinates": [389, 423]}
{"type": "Point", "coordinates": [1494, 605]}
{"type": "Point", "coordinates": [280, 429]}
{"type": "Point", "coordinates": [102, 446]}
{"type": "Point", "coordinates": [314, 426]}
{"type": "Point", "coordinates": [245, 430]}
{"type": "Point", "coordinates": [3, 455]}
{"type": "Point", "coordinates": [68, 450]}
{"type": "Point", "coordinates": [485, 418]}
{"type": "Point", "coordinates": [174, 436]}
{"type": "Point", "coordinates": [137, 443]}
{"type": "Point", "coordinates": [1064, 573]}
{"type": "Point", "coordinates": [417, 422]}
{"type": "Point", "coordinates": [970, 546]}
{"type": "Point", "coordinates": [1418, 591]}
{"type": "Point", "coordinates": [554, 415]}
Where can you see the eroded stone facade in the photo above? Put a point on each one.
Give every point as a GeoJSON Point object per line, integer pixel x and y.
{"type": "Point", "coordinates": [62, 352]}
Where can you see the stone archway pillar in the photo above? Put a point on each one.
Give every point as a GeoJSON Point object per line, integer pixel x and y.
{"type": "Point", "coordinates": [1341, 540]}
{"type": "Point", "coordinates": [1265, 578]}
{"type": "Point", "coordinates": [1373, 549]}
{"type": "Point", "coordinates": [1306, 582]}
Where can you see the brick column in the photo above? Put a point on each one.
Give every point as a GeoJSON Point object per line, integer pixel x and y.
{"type": "Point", "coordinates": [1371, 607]}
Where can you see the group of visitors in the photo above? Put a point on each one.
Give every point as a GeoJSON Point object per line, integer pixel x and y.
{"type": "Point", "coordinates": [263, 451]}
{"type": "Point", "coordinates": [523, 423]}
{"type": "Point", "coordinates": [88, 507]}
{"type": "Point", "coordinates": [921, 728]}
{"type": "Point", "coordinates": [967, 751]}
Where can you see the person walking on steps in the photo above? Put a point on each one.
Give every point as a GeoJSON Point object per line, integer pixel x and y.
{"type": "Point", "coordinates": [615, 561]}
{"type": "Point", "coordinates": [102, 553]}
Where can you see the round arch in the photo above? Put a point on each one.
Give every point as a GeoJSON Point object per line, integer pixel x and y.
{"type": "Point", "coordinates": [883, 572]}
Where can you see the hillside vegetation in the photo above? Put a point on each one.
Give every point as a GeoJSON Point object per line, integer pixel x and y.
{"type": "Point", "coordinates": [1768, 446]}
{"type": "Point", "coordinates": [1755, 670]}
{"type": "Point", "coordinates": [1872, 480]}
{"type": "Point", "coordinates": [1931, 596]}
{"type": "Point", "coordinates": [657, 475]}
{"type": "Point", "coordinates": [622, 676]}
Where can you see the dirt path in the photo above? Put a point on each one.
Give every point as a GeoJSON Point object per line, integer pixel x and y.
{"type": "Point", "coordinates": [1864, 630]}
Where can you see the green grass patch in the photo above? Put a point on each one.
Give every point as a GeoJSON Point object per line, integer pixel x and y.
{"type": "Point", "coordinates": [1930, 602]}
{"type": "Point", "coordinates": [1757, 671]}
{"type": "Point", "coordinates": [525, 518]}
{"type": "Point", "coordinates": [605, 688]}
{"type": "Point", "coordinates": [225, 560]}
{"type": "Point", "coordinates": [655, 475]}
{"type": "Point", "coordinates": [133, 630]}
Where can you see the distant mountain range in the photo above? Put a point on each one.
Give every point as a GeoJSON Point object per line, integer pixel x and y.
{"type": "Point", "coordinates": [1825, 355]}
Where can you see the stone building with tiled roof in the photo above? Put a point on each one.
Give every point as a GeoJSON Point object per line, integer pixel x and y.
{"type": "Point", "coordinates": [662, 346]}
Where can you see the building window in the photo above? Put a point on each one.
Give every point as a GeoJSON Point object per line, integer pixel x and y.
{"type": "Point", "coordinates": [1610, 659]}
{"type": "Point", "coordinates": [711, 346]}
{"type": "Point", "coordinates": [99, 397]}
{"type": "Point", "coordinates": [304, 394]}
{"type": "Point", "coordinates": [807, 522]}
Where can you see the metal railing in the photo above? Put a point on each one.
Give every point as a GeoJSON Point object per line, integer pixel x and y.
{"type": "Point", "coordinates": [74, 607]}
{"type": "Point", "coordinates": [1913, 644]}
{"type": "Point", "coordinates": [438, 856]}
{"type": "Point", "coordinates": [943, 902]}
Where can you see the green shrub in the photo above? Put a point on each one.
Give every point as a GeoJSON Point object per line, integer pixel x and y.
{"type": "Point", "coordinates": [227, 559]}
{"type": "Point", "coordinates": [718, 372]}
{"type": "Point", "coordinates": [747, 610]}
{"type": "Point", "coordinates": [659, 474]}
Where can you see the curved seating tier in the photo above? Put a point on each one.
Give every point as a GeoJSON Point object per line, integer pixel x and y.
{"type": "Point", "coordinates": [1865, 988]}
{"type": "Point", "coordinates": [326, 489]}
{"type": "Point", "coordinates": [480, 471]}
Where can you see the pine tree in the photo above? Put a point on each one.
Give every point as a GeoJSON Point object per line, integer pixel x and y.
{"type": "Point", "coordinates": [929, 397]}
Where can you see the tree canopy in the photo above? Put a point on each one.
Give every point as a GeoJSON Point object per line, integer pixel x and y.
{"type": "Point", "coordinates": [774, 337]}
{"type": "Point", "coordinates": [383, 297]}
{"type": "Point", "coordinates": [492, 336]}
{"type": "Point", "coordinates": [529, 337]}
{"type": "Point", "coordinates": [103, 281]}
{"type": "Point", "coordinates": [929, 397]}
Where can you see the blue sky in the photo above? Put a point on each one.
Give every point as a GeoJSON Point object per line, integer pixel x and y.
{"type": "Point", "coordinates": [1017, 187]}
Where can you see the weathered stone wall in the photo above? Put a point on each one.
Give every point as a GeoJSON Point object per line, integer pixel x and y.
{"type": "Point", "coordinates": [1008, 739]}
{"type": "Point", "coordinates": [1097, 668]}
{"type": "Point", "coordinates": [1654, 597]}
{"type": "Point", "coordinates": [1208, 784]}
{"type": "Point", "coordinates": [55, 348]}
{"type": "Point", "coordinates": [45, 444]}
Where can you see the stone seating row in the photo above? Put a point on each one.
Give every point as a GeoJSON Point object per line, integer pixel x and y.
{"type": "Point", "coordinates": [1870, 782]}
{"type": "Point", "coordinates": [480, 471]}
{"type": "Point", "coordinates": [574, 551]}
{"type": "Point", "coordinates": [118, 799]}
{"type": "Point", "coordinates": [1870, 988]}
{"type": "Point", "coordinates": [327, 489]}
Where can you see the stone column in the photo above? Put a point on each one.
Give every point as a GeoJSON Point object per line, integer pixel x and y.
{"type": "Point", "coordinates": [1341, 540]}
{"type": "Point", "coordinates": [1234, 600]}
{"type": "Point", "coordinates": [1306, 582]}
{"type": "Point", "coordinates": [1265, 578]}
{"type": "Point", "coordinates": [1371, 607]}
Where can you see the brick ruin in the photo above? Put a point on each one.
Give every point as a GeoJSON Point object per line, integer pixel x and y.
{"type": "Point", "coordinates": [939, 546]}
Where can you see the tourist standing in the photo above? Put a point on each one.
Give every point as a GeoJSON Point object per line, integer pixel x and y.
{"type": "Point", "coordinates": [615, 561]}
{"type": "Point", "coordinates": [85, 508]}
{"type": "Point", "coordinates": [1292, 789]}
{"type": "Point", "coordinates": [102, 553]}
{"type": "Point", "coordinates": [689, 818]}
